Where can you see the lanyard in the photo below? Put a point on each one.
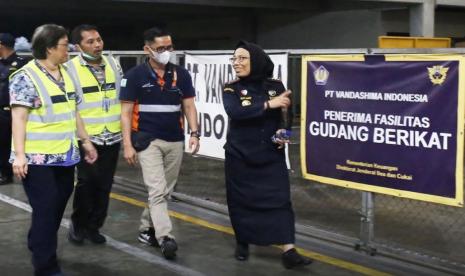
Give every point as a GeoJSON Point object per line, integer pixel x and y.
{"type": "Point", "coordinates": [161, 81]}
{"type": "Point", "coordinates": [103, 86]}
{"type": "Point", "coordinates": [60, 84]}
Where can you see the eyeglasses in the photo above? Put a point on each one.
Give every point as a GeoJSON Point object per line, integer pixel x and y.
{"type": "Point", "coordinates": [161, 49]}
{"type": "Point", "coordinates": [240, 59]}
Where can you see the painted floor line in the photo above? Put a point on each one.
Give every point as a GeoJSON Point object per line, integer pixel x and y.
{"type": "Point", "coordinates": [225, 229]}
{"type": "Point", "coordinates": [124, 247]}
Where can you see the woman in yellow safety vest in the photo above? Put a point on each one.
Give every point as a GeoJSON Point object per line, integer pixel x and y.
{"type": "Point", "coordinates": [45, 150]}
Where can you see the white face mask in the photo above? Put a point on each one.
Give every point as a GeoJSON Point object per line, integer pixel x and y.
{"type": "Point", "coordinates": [162, 58]}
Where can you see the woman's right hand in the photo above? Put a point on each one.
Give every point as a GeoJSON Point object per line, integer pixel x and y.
{"type": "Point", "coordinates": [20, 166]}
{"type": "Point", "coordinates": [281, 101]}
{"type": "Point", "coordinates": [130, 155]}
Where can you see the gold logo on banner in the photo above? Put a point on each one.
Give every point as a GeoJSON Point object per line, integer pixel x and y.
{"type": "Point", "coordinates": [437, 74]}
{"type": "Point", "coordinates": [246, 103]}
{"type": "Point", "coordinates": [321, 75]}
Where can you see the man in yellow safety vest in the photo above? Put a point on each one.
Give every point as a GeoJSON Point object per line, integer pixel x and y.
{"type": "Point", "coordinates": [98, 79]}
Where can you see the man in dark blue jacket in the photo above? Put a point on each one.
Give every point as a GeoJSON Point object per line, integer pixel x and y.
{"type": "Point", "coordinates": [9, 62]}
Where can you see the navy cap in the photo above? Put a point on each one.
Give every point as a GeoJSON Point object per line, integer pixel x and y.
{"type": "Point", "coordinates": [7, 39]}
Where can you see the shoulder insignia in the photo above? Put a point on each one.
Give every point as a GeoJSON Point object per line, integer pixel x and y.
{"type": "Point", "coordinates": [228, 89]}
{"type": "Point", "coordinates": [233, 81]}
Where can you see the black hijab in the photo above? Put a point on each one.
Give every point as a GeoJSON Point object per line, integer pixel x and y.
{"type": "Point", "coordinates": [261, 66]}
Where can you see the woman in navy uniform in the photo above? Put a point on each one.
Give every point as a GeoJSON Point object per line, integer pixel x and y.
{"type": "Point", "coordinates": [257, 181]}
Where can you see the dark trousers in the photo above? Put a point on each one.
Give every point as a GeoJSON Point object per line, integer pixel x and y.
{"type": "Point", "coordinates": [48, 189]}
{"type": "Point", "coordinates": [5, 143]}
{"type": "Point", "coordinates": [91, 196]}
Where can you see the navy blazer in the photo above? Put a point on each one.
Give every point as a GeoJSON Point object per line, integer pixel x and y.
{"type": "Point", "coordinates": [250, 125]}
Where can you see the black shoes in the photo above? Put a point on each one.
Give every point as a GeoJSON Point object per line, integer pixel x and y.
{"type": "Point", "coordinates": [242, 251]}
{"type": "Point", "coordinates": [5, 180]}
{"type": "Point", "coordinates": [95, 237]}
{"type": "Point", "coordinates": [148, 237]}
{"type": "Point", "coordinates": [75, 236]}
{"type": "Point", "coordinates": [292, 258]}
{"type": "Point", "coordinates": [168, 247]}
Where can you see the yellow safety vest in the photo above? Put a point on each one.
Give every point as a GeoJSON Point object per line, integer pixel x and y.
{"type": "Point", "coordinates": [95, 115]}
{"type": "Point", "coordinates": [51, 128]}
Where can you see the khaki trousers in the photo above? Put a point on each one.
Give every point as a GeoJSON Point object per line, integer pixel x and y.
{"type": "Point", "coordinates": [160, 164]}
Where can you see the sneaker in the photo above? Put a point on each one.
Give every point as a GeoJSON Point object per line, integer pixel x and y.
{"type": "Point", "coordinates": [148, 237]}
{"type": "Point", "coordinates": [95, 237]}
{"type": "Point", "coordinates": [292, 258]}
{"type": "Point", "coordinates": [168, 247]}
{"type": "Point", "coordinates": [242, 251]}
{"type": "Point", "coordinates": [76, 237]}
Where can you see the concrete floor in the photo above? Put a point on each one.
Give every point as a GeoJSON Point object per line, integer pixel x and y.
{"type": "Point", "coordinates": [202, 251]}
{"type": "Point", "coordinates": [205, 243]}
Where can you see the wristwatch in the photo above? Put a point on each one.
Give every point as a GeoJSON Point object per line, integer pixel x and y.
{"type": "Point", "coordinates": [195, 133]}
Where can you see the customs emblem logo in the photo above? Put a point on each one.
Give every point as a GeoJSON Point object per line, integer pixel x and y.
{"type": "Point", "coordinates": [321, 75]}
{"type": "Point", "coordinates": [437, 74]}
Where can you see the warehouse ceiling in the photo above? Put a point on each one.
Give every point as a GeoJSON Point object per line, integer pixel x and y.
{"type": "Point", "coordinates": [128, 18]}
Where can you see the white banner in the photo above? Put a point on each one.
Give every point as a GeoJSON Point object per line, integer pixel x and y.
{"type": "Point", "coordinates": [209, 74]}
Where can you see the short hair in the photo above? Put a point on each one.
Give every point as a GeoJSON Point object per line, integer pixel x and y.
{"type": "Point", "coordinates": [76, 34]}
{"type": "Point", "coordinates": [154, 32]}
{"type": "Point", "coordinates": [44, 37]}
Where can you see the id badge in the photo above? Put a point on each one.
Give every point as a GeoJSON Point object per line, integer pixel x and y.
{"type": "Point", "coordinates": [106, 104]}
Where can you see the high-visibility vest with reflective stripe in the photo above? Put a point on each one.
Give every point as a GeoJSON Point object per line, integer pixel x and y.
{"type": "Point", "coordinates": [91, 109]}
{"type": "Point", "coordinates": [51, 128]}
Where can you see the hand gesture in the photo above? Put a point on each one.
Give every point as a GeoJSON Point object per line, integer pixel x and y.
{"type": "Point", "coordinates": [281, 101]}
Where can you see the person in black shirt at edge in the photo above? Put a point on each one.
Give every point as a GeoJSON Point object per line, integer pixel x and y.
{"type": "Point", "coordinates": [257, 180]}
{"type": "Point", "coordinates": [9, 63]}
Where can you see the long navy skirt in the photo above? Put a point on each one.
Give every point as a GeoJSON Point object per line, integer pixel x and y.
{"type": "Point", "coordinates": [259, 202]}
